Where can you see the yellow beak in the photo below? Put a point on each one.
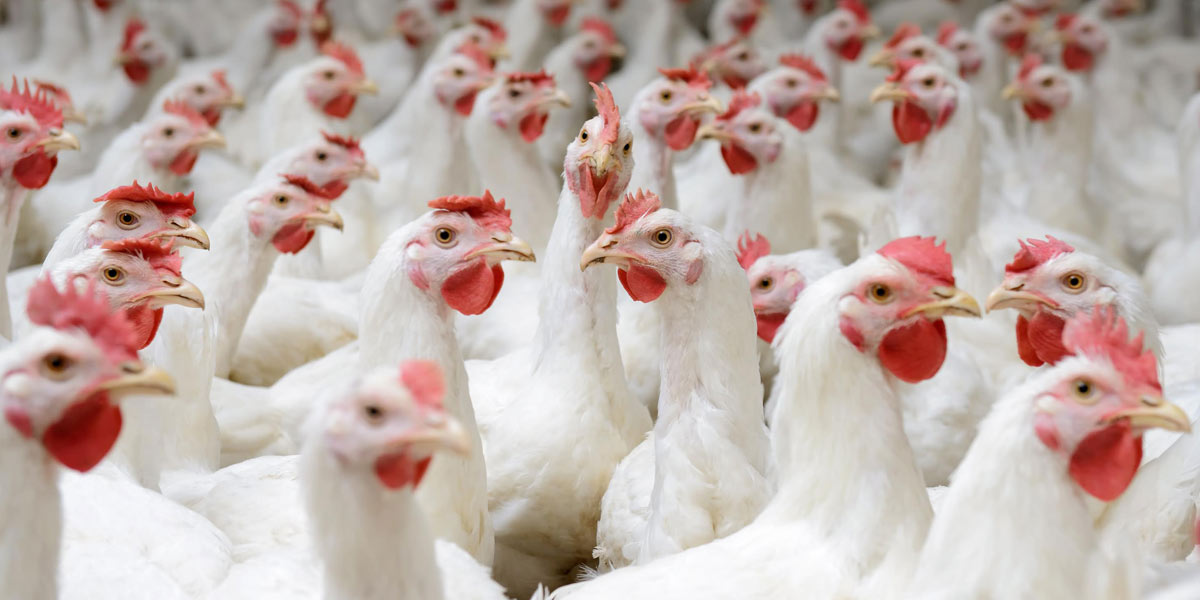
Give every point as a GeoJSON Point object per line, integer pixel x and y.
{"type": "Point", "coordinates": [604, 250]}
{"type": "Point", "coordinates": [176, 291]}
{"type": "Point", "coordinates": [713, 131]}
{"type": "Point", "coordinates": [59, 139]}
{"type": "Point", "coordinates": [883, 58]}
{"type": "Point", "coordinates": [1155, 412]}
{"type": "Point", "coordinates": [949, 301]}
{"type": "Point", "coordinates": [369, 171]}
{"type": "Point", "coordinates": [888, 91]}
{"type": "Point", "coordinates": [829, 93]}
{"type": "Point", "coordinates": [512, 248]}
{"type": "Point", "coordinates": [447, 434]}
{"type": "Point", "coordinates": [1004, 297]}
{"type": "Point", "coordinates": [139, 379]}
{"type": "Point", "coordinates": [190, 234]}
{"type": "Point", "coordinates": [709, 104]}
{"type": "Point", "coordinates": [1013, 90]}
{"type": "Point", "coordinates": [324, 217]}
{"type": "Point", "coordinates": [603, 160]}
{"type": "Point", "coordinates": [209, 139]}
{"type": "Point", "coordinates": [365, 86]}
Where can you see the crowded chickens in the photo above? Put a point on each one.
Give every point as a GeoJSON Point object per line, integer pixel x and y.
{"type": "Point", "coordinates": [573, 299]}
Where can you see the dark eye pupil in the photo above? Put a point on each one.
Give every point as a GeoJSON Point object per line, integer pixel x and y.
{"type": "Point", "coordinates": [374, 412]}
{"type": "Point", "coordinates": [514, 93]}
{"type": "Point", "coordinates": [1083, 387]}
{"type": "Point", "coordinates": [583, 135]}
{"type": "Point", "coordinates": [320, 156]}
{"type": "Point", "coordinates": [168, 132]}
{"type": "Point", "coordinates": [126, 217]}
{"type": "Point", "coordinates": [627, 147]}
{"type": "Point", "coordinates": [112, 273]}
{"type": "Point", "coordinates": [14, 132]}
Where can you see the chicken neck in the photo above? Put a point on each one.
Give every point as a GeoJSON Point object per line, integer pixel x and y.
{"type": "Point", "coordinates": [653, 162]}
{"type": "Point", "coordinates": [30, 519]}
{"type": "Point", "coordinates": [1059, 155]}
{"type": "Point", "coordinates": [12, 197]}
{"type": "Point", "coordinates": [776, 199]}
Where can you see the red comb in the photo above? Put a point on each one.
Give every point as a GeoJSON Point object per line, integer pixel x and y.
{"type": "Point", "coordinates": [349, 143]}
{"type": "Point", "coordinates": [57, 91]}
{"type": "Point", "coordinates": [750, 250]}
{"type": "Point", "coordinates": [218, 75]}
{"type": "Point", "coordinates": [804, 63]}
{"type": "Point", "coordinates": [1064, 21]}
{"type": "Point", "coordinates": [169, 204]}
{"type": "Point", "coordinates": [484, 209]}
{"type": "Point", "coordinates": [1033, 253]}
{"type": "Point", "coordinates": [946, 31]}
{"type": "Point", "coordinates": [922, 255]}
{"type": "Point", "coordinates": [741, 101]}
{"type": "Point", "coordinates": [474, 52]}
{"type": "Point", "coordinates": [132, 28]}
{"type": "Point", "coordinates": [903, 66]}
{"type": "Point", "coordinates": [424, 381]}
{"type": "Point", "coordinates": [309, 187]}
{"type": "Point", "coordinates": [607, 109]}
{"type": "Point", "coordinates": [539, 78]}
{"type": "Point", "coordinates": [1101, 333]}
{"type": "Point", "coordinates": [87, 310]}
{"type": "Point", "coordinates": [634, 207]}
{"type": "Point", "coordinates": [857, 8]}
{"type": "Point", "coordinates": [37, 104]}
{"type": "Point", "coordinates": [692, 76]}
{"type": "Point", "coordinates": [345, 54]}
{"type": "Point", "coordinates": [903, 32]}
{"type": "Point", "coordinates": [600, 26]}
{"type": "Point", "coordinates": [181, 108]}
{"type": "Point", "coordinates": [494, 27]}
{"type": "Point", "coordinates": [158, 254]}
{"type": "Point", "coordinates": [1028, 64]}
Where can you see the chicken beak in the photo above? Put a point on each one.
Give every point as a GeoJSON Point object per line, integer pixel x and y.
{"type": "Point", "coordinates": [713, 131]}
{"type": "Point", "coordinates": [1012, 297]}
{"type": "Point", "coordinates": [235, 101]}
{"type": "Point", "coordinates": [191, 235]}
{"type": "Point", "coordinates": [175, 290]}
{"type": "Point", "coordinates": [888, 91]}
{"type": "Point", "coordinates": [949, 301]}
{"type": "Point", "coordinates": [72, 115]}
{"type": "Point", "coordinates": [445, 433]}
{"type": "Point", "coordinates": [883, 58]}
{"type": "Point", "coordinates": [870, 32]}
{"type": "Point", "coordinates": [708, 104]}
{"type": "Point", "coordinates": [366, 86]}
{"type": "Point", "coordinates": [1154, 413]}
{"type": "Point", "coordinates": [324, 216]}
{"type": "Point", "coordinates": [504, 248]}
{"type": "Point", "coordinates": [122, 59]}
{"type": "Point", "coordinates": [829, 93]}
{"type": "Point", "coordinates": [1013, 90]}
{"type": "Point", "coordinates": [59, 139]}
{"type": "Point", "coordinates": [369, 171]}
{"type": "Point", "coordinates": [617, 51]}
{"type": "Point", "coordinates": [499, 52]}
{"type": "Point", "coordinates": [603, 160]}
{"type": "Point", "coordinates": [138, 379]}
{"type": "Point", "coordinates": [209, 139]}
{"type": "Point", "coordinates": [558, 97]}
{"type": "Point", "coordinates": [604, 250]}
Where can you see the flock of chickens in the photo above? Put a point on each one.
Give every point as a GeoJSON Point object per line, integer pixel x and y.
{"type": "Point", "coordinates": [301, 303]}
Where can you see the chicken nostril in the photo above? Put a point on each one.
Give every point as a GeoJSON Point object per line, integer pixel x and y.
{"type": "Point", "coordinates": [132, 367]}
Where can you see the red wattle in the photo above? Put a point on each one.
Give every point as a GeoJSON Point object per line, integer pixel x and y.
{"type": "Point", "coordinates": [532, 125]}
{"type": "Point", "coordinates": [84, 434]}
{"type": "Point", "coordinates": [681, 132]}
{"type": "Point", "coordinates": [803, 115]}
{"type": "Point", "coordinates": [1105, 461]}
{"type": "Point", "coordinates": [398, 470]}
{"type": "Point", "coordinates": [595, 193]}
{"type": "Point", "coordinates": [768, 325]}
{"type": "Point", "coordinates": [850, 49]}
{"type": "Point", "coordinates": [1024, 347]}
{"type": "Point", "coordinates": [285, 38]}
{"type": "Point", "coordinates": [19, 419]}
{"type": "Point", "coordinates": [292, 238]}
{"type": "Point", "coordinates": [914, 352]}
{"type": "Point", "coordinates": [598, 69]}
{"type": "Point", "coordinates": [145, 322]}
{"type": "Point", "coordinates": [745, 24]}
{"type": "Point", "coordinates": [464, 104]}
{"type": "Point", "coordinates": [183, 162]}
{"type": "Point", "coordinates": [33, 171]}
{"type": "Point", "coordinates": [558, 14]}
{"type": "Point", "coordinates": [137, 71]}
{"type": "Point", "coordinates": [642, 283]}
{"type": "Point", "coordinates": [1044, 336]}
{"type": "Point", "coordinates": [1077, 58]}
{"type": "Point", "coordinates": [910, 122]}
{"type": "Point", "coordinates": [340, 106]}
{"type": "Point", "coordinates": [472, 289]}
{"type": "Point", "coordinates": [212, 114]}
{"type": "Point", "coordinates": [1037, 111]}
{"type": "Point", "coordinates": [1015, 43]}
{"type": "Point", "coordinates": [738, 159]}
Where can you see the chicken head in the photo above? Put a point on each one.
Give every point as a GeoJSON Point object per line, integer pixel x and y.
{"type": "Point", "coordinates": [1009, 27]}
{"type": "Point", "coordinates": [672, 106]}
{"type": "Point", "coordinates": [334, 80]}
{"type": "Point", "coordinates": [925, 96]}
{"type": "Point", "coordinates": [555, 11]}
{"type": "Point", "coordinates": [794, 90]}
{"type": "Point", "coordinates": [461, 77]}
{"type": "Point", "coordinates": [1042, 89]}
{"type": "Point", "coordinates": [748, 133]}
{"type": "Point", "coordinates": [1084, 40]}
{"type": "Point", "coordinates": [734, 63]}
{"type": "Point", "coordinates": [595, 47]}
{"type": "Point", "coordinates": [142, 51]}
{"type": "Point", "coordinates": [32, 132]}
{"type": "Point", "coordinates": [777, 280]}
{"type": "Point", "coordinates": [208, 93]}
{"type": "Point", "coordinates": [963, 45]}
{"type": "Point", "coordinates": [136, 211]}
{"type": "Point", "coordinates": [288, 211]}
{"type": "Point", "coordinates": [599, 161]}
{"type": "Point", "coordinates": [284, 27]}
{"type": "Point", "coordinates": [845, 30]}
{"type": "Point", "coordinates": [523, 100]}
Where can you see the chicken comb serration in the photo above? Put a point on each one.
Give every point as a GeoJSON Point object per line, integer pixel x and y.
{"type": "Point", "coordinates": [692, 76]}
{"type": "Point", "coordinates": [539, 78]}
{"type": "Point", "coordinates": [345, 55]}
{"type": "Point", "coordinates": [922, 255]}
{"type": "Point", "coordinates": [901, 68]}
{"type": "Point", "coordinates": [57, 92]}
{"type": "Point", "coordinates": [1101, 333]}
{"type": "Point", "coordinates": [741, 101]}
{"type": "Point", "coordinates": [37, 104]}
{"type": "Point", "coordinates": [856, 8]}
{"type": "Point", "coordinates": [424, 381]}
{"type": "Point", "coordinates": [183, 109]}
{"type": "Point", "coordinates": [88, 310]}
{"type": "Point", "coordinates": [179, 204]}
{"type": "Point", "coordinates": [133, 27]}
{"type": "Point", "coordinates": [349, 143]}
{"type": "Point", "coordinates": [218, 76]}
{"type": "Point", "coordinates": [1034, 253]}
{"type": "Point", "coordinates": [635, 206]}
{"type": "Point", "coordinates": [606, 107]}
{"type": "Point", "coordinates": [1064, 21]}
{"type": "Point", "coordinates": [481, 59]}
{"type": "Point", "coordinates": [599, 26]}
{"type": "Point", "coordinates": [1028, 64]}
{"type": "Point", "coordinates": [494, 27]}
{"type": "Point", "coordinates": [158, 253]}
{"type": "Point", "coordinates": [308, 186]}
{"type": "Point", "coordinates": [946, 31]}
{"type": "Point", "coordinates": [485, 210]}
{"type": "Point", "coordinates": [750, 250]}
{"type": "Point", "coordinates": [903, 31]}
{"type": "Point", "coordinates": [803, 63]}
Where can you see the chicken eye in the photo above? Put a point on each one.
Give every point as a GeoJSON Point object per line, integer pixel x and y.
{"type": "Point", "coordinates": [514, 93]}
{"type": "Point", "coordinates": [589, 44]}
{"type": "Point", "coordinates": [962, 46]}
{"type": "Point", "coordinates": [127, 220]}
{"type": "Point", "coordinates": [1048, 82]}
{"type": "Point", "coordinates": [765, 283]}
{"type": "Point", "coordinates": [583, 136]}
{"type": "Point", "coordinates": [665, 96]}
{"type": "Point", "coordinates": [918, 52]}
{"type": "Point", "coordinates": [168, 132]}
{"type": "Point", "coordinates": [459, 72]}
{"type": "Point", "coordinates": [791, 83]}
{"type": "Point", "coordinates": [113, 275]}
{"type": "Point", "coordinates": [475, 38]}
{"type": "Point", "coordinates": [1083, 390]}
{"type": "Point", "coordinates": [13, 133]}
{"type": "Point", "coordinates": [56, 363]}
{"type": "Point", "coordinates": [374, 413]}
{"type": "Point", "coordinates": [199, 89]}
{"type": "Point", "coordinates": [929, 82]}
{"type": "Point", "coordinates": [1074, 282]}
{"type": "Point", "coordinates": [755, 127]}
{"type": "Point", "coordinates": [880, 293]}
{"type": "Point", "coordinates": [280, 200]}
{"type": "Point", "coordinates": [328, 75]}
{"type": "Point", "coordinates": [628, 147]}
{"type": "Point", "coordinates": [742, 56]}
{"type": "Point", "coordinates": [661, 238]}
{"type": "Point", "coordinates": [321, 156]}
{"type": "Point", "coordinates": [444, 236]}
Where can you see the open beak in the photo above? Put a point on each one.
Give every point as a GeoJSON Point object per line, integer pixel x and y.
{"type": "Point", "coordinates": [500, 52]}
{"type": "Point", "coordinates": [59, 139]}
{"type": "Point", "coordinates": [1013, 90]}
{"type": "Point", "coordinates": [604, 250]}
{"type": "Point", "coordinates": [617, 51]}
{"type": "Point", "coordinates": [366, 86]}
{"type": "Point", "coordinates": [888, 91]}
{"type": "Point", "coordinates": [191, 234]}
{"type": "Point", "coordinates": [72, 115]}
{"type": "Point", "coordinates": [883, 58]}
{"type": "Point", "coordinates": [138, 379]}
{"type": "Point", "coordinates": [870, 32]}
{"type": "Point", "coordinates": [713, 131]}
{"type": "Point", "coordinates": [603, 160]}
{"type": "Point", "coordinates": [829, 93]}
{"type": "Point", "coordinates": [710, 104]}
{"type": "Point", "coordinates": [235, 101]}
{"type": "Point", "coordinates": [209, 139]}
{"type": "Point", "coordinates": [1154, 413]}
{"type": "Point", "coordinates": [175, 290]}
{"type": "Point", "coordinates": [446, 434]}
{"type": "Point", "coordinates": [1012, 297]}
{"type": "Point", "coordinates": [948, 301]}
{"type": "Point", "coordinates": [513, 248]}
{"type": "Point", "coordinates": [326, 216]}
{"type": "Point", "coordinates": [369, 171]}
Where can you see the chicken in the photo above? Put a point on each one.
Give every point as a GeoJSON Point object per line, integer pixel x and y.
{"type": "Point", "coordinates": [963, 44]}
{"type": "Point", "coordinates": [536, 27]}
{"type": "Point", "coordinates": [63, 386]}
{"type": "Point", "coordinates": [733, 63]}
{"type": "Point", "coordinates": [33, 126]}
{"type": "Point", "coordinates": [544, 491]}
{"type": "Point", "coordinates": [849, 339]}
{"type": "Point", "coordinates": [1070, 430]}
{"type": "Point", "coordinates": [707, 454]}
{"type": "Point", "coordinates": [368, 450]}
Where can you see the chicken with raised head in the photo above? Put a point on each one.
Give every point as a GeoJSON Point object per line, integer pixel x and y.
{"type": "Point", "coordinates": [63, 387]}
{"type": "Point", "coordinates": [851, 337]}
{"type": "Point", "coordinates": [367, 453]}
{"type": "Point", "coordinates": [701, 474]}
{"type": "Point", "coordinates": [544, 491]}
{"type": "Point", "coordinates": [963, 44]}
